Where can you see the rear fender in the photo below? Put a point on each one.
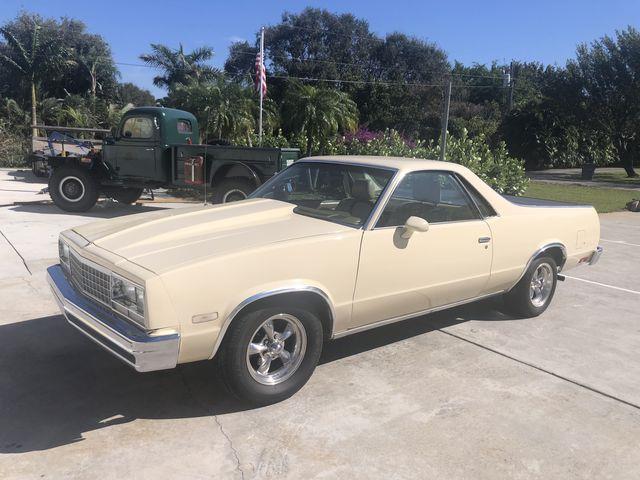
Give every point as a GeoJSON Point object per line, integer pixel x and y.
{"type": "Point", "coordinates": [233, 169]}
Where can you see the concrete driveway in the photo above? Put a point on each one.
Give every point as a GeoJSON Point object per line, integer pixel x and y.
{"type": "Point", "coordinates": [468, 393]}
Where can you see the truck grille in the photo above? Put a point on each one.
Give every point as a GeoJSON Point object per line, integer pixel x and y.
{"type": "Point", "coordinates": [89, 280]}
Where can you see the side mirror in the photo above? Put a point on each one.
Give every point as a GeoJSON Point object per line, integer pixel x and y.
{"type": "Point", "coordinates": [414, 224]}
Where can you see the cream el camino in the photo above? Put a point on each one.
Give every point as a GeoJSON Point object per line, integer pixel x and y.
{"type": "Point", "coordinates": [329, 247]}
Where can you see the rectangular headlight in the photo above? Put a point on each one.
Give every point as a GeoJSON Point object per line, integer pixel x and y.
{"type": "Point", "coordinates": [63, 251]}
{"type": "Point", "coordinates": [127, 298]}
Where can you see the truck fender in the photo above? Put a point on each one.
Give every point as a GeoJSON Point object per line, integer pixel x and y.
{"type": "Point", "coordinates": [233, 169]}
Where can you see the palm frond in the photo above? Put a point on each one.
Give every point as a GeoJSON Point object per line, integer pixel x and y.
{"type": "Point", "coordinates": [15, 44]}
{"type": "Point", "coordinates": [11, 62]}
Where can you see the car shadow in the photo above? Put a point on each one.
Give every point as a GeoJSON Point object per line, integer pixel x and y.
{"type": "Point", "coordinates": [103, 209]}
{"type": "Point", "coordinates": [56, 385]}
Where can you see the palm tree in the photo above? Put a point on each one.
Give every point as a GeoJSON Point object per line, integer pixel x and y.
{"type": "Point", "coordinates": [33, 62]}
{"type": "Point", "coordinates": [224, 109]}
{"type": "Point", "coordinates": [318, 113]}
{"type": "Point", "coordinates": [179, 67]}
{"type": "Point", "coordinates": [232, 117]}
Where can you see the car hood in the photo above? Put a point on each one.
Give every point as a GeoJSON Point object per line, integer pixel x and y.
{"type": "Point", "coordinates": [167, 239]}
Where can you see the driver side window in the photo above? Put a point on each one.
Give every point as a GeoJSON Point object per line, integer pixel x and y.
{"type": "Point", "coordinates": [435, 196]}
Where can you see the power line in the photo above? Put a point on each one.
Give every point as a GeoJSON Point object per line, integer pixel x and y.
{"type": "Point", "coordinates": [336, 80]}
{"type": "Point", "coordinates": [293, 59]}
{"type": "Point", "coordinates": [340, 80]}
{"type": "Point", "coordinates": [371, 82]}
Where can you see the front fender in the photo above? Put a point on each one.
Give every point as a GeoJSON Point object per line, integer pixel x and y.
{"type": "Point", "coordinates": [248, 297]}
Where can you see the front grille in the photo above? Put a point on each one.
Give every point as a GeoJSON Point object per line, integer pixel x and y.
{"type": "Point", "coordinates": [89, 280]}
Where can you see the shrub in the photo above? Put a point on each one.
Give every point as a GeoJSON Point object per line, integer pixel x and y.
{"type": "Point", "coordinates": [13, 148]}
{"type": "Point", "coordinates": [502, 172]}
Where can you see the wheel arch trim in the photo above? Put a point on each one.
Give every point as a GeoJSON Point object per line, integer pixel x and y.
{"type": "Point", "coordinates": [537, 253]}
{"type": "Point", "coordinates": [270, 293]}
{"type": "Point", "coordinates": [233, 164]}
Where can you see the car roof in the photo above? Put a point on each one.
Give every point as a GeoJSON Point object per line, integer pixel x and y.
{"type": "Point", "coordinates": [398, 163]}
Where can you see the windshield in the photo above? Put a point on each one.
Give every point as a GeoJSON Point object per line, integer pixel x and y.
{"type": "Point", "coordinates": [340, 193]}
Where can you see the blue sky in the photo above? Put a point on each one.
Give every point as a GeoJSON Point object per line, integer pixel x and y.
{"type": "Point", "coordinates": [469, 31]}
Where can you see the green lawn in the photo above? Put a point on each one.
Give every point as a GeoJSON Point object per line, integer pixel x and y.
{"type": "Point", "coordinates": [618, 177]}
{"type": "Point", "coordinates": [603, 199]}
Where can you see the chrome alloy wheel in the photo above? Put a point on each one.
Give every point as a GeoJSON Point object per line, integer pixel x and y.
{"type": "Point", "coordinates": [276, 349]}
{"type": "Point", "coordinates": [71, 189]}
{"type": "Point", "coordinates": [541, 285]}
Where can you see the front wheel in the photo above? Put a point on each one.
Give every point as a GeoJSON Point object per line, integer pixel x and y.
{"type": "Point", "coordinates": [534, 292]}
{"type": "Point", "coordinates": [73, 189]}
{"type": "Point", "coordinates": [269, 354]}
{"type": "Point", "coordinates": [125, 195]}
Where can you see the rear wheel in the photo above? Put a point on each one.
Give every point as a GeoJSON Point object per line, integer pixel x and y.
{"type": "Point", "coordinates": [270, 353]}
{"type": "Point", "coordinates": [73, 189]}
{"type": "Point", "coordinates": [232, 190]}
{"type": "Point", "coordinates": [534, 292]}
{"type": "Point", "coordinates": [125, 195]}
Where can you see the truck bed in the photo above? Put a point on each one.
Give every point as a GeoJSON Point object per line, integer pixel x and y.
{"type": "Point", "coordinates": [539, 202]}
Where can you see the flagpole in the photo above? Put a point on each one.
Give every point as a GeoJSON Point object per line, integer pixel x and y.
{"type": "Point", "coordinates": [260, 85]}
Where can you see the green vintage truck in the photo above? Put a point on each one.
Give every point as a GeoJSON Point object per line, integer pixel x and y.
{"type": "Point", "coordinates": [153, 147]}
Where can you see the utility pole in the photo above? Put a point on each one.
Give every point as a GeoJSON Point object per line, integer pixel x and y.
{"type": "Point", "coordinates": [445, 120]}
{"type": "Point", "coordinates": [261, 73]}
{"type": "Point", "coordinates": [512, 82]}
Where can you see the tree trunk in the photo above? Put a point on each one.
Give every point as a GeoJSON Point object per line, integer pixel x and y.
{"type": "Point", "coordinates": [309, 145]}
{"type": "Point", "coordinates": [627, 163]}
{"type": "Point", "coordinates": [625, 156]}
{"type": "Point", "coordinates": [34, 122]}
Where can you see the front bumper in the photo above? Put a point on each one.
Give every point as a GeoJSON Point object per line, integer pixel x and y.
{"type": "Point", "coordinates": [595, 256]}
{"type": "Point", "coordinates": [143, 351]}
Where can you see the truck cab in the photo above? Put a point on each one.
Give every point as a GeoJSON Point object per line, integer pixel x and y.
{"type": "Point", "coordinates": [140, 149]}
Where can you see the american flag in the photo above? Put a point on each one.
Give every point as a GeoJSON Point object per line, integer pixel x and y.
{"type": "Point", "coordinates": [261, 75]}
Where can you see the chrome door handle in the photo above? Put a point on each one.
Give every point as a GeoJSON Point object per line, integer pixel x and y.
{"type": "Point", "coordinates": [149, 149]}
{"type": "Point", "coordinates": [484, 239]}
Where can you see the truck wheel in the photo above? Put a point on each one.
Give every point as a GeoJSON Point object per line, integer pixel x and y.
{"type": "Point", "coordinates": [232, 190]}
{"type": "Point", "coordinates": [73, 189]}
{"type": "Point", "coordinates": [125, 195]}
{"type": "Point", "coordinates": [270, 353]}
{"type": "Point", "coordinates": [534, 292]}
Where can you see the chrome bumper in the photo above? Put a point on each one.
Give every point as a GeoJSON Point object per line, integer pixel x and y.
{"type": "Point", "coordinates": [143, 351]}
{"type": "Point", "coordinates": [595, 256]}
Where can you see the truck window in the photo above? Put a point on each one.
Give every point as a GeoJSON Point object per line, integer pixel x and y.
{"type": "Point", "coordinates": [184, 126]}
{"type": "Point", "coordinates": [138, 127]}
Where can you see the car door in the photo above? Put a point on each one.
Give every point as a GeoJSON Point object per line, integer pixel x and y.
{"type": "Point", "coordinates": [448, 263]}
{"type": "Point", "coordinates": [135, 151]}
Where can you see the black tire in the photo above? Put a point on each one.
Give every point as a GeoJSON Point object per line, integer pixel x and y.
{"type": "Point", "coordinates": [125, 195]}
{"type": "Point", "coordinates": [232, 190]}
{"type": "Point", "coordinates": [519, 300]}
{"type": "Point", "coordinates": [235, 363]}
{"type": "Point", "coordinates": [73, 189]}
{"type": "Point", "coordinates": [37, 171]}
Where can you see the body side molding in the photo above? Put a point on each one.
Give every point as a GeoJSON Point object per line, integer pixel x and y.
{"type": "Point", "coordinates": [408, 316]}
